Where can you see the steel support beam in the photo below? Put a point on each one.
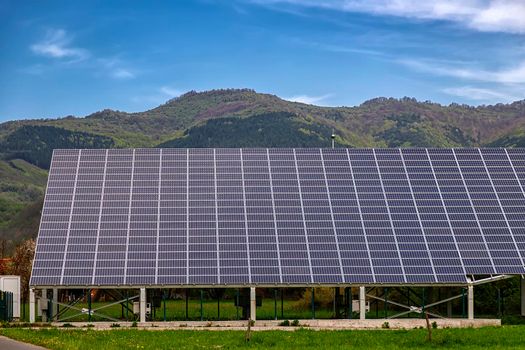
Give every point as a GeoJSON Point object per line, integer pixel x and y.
{"type": "Point", "coordinates": [362, 303]}
{"type": "Point", "coordinates": [522, 292]}
{"type": "Point", "coordinates": [94, 312]}
{"type": "Point", "coordinates": [416, 309]}
{"type": "Point", "coordinates": [490, 280]}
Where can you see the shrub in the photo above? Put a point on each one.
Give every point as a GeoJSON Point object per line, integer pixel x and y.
{"type": "Point", "coordinates": [324, 297]}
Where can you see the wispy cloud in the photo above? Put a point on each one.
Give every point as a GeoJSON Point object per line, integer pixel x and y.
{"type": "Point", "coordinates": [56, 44]}
{"type": "Point", "coordinates": [338, 48]}
{"type": "Point", "coordinates": [482, 15]}
{"type": "Point", "coordinates": [170, 92]}
{"type": "Point", "coordinates": [115, 68]}
{"type": "Point", "coordinates": [164, 93]}
{"type": "Point", "coordinates": [310, 100]}
{"type": "Point", "coordinates": [481, 94]}
{"type": "Point", "coordinates": [506, 84]}
{"type": "Point", "coordinates": [121, 73]}
{"type": "Point", "coordinates": [508, 75]}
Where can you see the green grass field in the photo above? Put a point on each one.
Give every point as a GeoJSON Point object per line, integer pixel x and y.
{"type": "Point", "coordinates": [507, 337]}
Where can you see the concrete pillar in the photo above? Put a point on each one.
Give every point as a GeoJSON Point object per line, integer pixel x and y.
{"type": "Point", "coordinates": [470, 299]}
{"type": "Point", "coordinates": [43, 305]}
{"type": "Point", "coordinates": [142, 304]}
{"type": "Point", "coordinates": [362, 303]}
{"type": "Point", "coordinates": [32, 305]}
{"type": "Point", "coordinates": [55, 305]}
{"type": "Point", "coordinates": [522, 292]}
{"type": "Point", "coordinates": [253, 304]}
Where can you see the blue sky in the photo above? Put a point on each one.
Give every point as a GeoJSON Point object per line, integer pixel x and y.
{"type": "Point", "coordinates": [62, 58]}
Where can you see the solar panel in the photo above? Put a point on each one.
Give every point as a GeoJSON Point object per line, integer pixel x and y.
{"type": "Point", "coordinates": [205, 217]}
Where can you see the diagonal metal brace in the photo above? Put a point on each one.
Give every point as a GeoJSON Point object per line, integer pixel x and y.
{"type": "Point", "coordinates": [417, 309]}
{"type": "Point", "coordinates": [93, 311]}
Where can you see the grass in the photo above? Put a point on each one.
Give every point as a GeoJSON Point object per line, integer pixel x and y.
{"type": "Point", "coordinates": [508, 337]}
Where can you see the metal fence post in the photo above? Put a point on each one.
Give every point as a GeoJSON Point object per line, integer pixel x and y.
{"type": "Point", "coordinates": [313, 304]}
{"type": "Point", "coordinates": [201, 304]}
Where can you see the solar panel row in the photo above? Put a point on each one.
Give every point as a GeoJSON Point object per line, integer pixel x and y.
{"type": "Point", "coordinates": [281, 216]}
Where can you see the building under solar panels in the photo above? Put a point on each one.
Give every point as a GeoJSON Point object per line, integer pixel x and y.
{"type": "Point", "coordinates": [149, 219]}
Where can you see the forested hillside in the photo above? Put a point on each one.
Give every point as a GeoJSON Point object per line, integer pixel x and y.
{"type": "Point", "coordinates": [238, 118]}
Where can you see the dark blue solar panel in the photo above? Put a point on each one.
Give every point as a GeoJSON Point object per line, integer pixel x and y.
{"type": "Point", "coordinates": [273, 216]}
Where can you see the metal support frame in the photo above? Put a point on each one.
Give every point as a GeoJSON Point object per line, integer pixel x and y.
{"type": "Point", "coordinates": [237, 304]}
{"type": "Point", "coordinates": [489, 279]}
{"type": "Point", "coordinates": [416, 309]}
{"type": "Point", "coordinates": [423, 302]}
{"type": "Point", "coordinates": [313, 303]}
{"type": "Point", "coordinates": [348, 296]}
{"type": "Point", "coordinates": [218, 307]}
{"type": "Point", "coordinates": [164, 305]}
{"type": "Point", "coordinates": [522, 293]}
{"type": "Point", "coordinates": [282, 303]}
{"type": "Point", "coordinates": [202, 295]}
{"type": "Point", "coordinates": [275, 304]}
{"type": "Point", "coordinates": [186, 297]}
{"type": "Point", "coordinates": [93, 312]}
{"type": "Point", "coordinates": [418, 305]}
{"type": "Point", "coordinates": [127, 307]}
{"type": "Point", "coordinates": [385, 304]}
{"type": "Point", "coordinates": [90, 311]}
{"type": "Point", "coordinates": [463, 303]}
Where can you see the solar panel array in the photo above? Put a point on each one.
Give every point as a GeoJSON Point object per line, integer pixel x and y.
{"type": "Point", "coordinates": [280, 216]}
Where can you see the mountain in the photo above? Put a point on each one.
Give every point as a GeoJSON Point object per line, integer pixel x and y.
{"type": "Point", "coordinates": [238, 118]}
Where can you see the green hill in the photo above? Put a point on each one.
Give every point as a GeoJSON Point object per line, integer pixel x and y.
{"type": "Point", "coordinates": [238, 118]}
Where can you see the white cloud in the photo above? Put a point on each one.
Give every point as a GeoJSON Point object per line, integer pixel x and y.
{"type": "Point", "coordinates": [310, 100]}
{"type": "Point", "coordinates": [121, 73]}
{"type": "Point", "coordinates": [483, 15]}
{"type": "Point", "coordinates": [509, 75]}
{"type": "Point", "coordinates": [164, 93]}
{"type": "Point", "coordinates": [170, 92]}
{"type": "Point", "coordinates": [336, 48]}
{"type": "Point", "coordinates": [56, 44]}
{"type": "Point", "coordinates": [115, 68]}
{"type": "Point", "coordinates": [481, 94]}
{"type": "Point", "coordinates": [506, 84]}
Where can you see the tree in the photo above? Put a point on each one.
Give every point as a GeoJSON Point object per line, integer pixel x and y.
{"type": "Point", "coordinates": [22, 262]}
